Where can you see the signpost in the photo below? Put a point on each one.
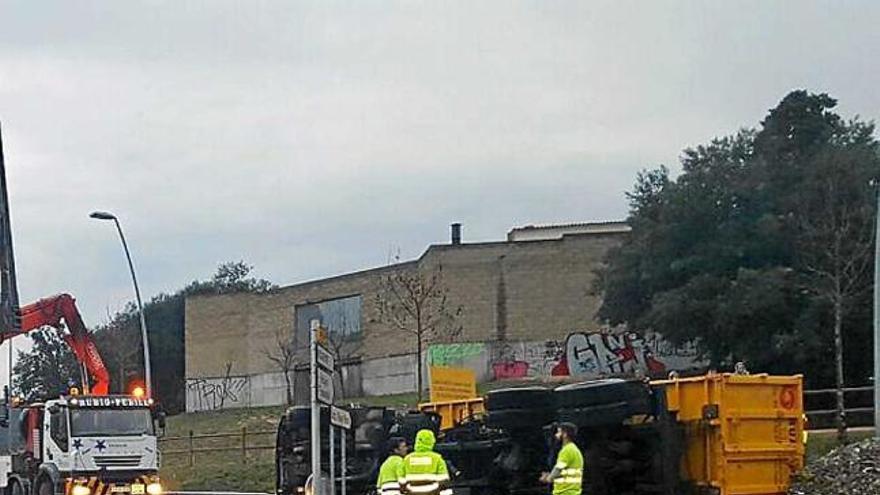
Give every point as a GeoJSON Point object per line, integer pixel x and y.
{"type": "Point", "coordinates": [317, 482]}
{"type": "Point", "coordinates": [323, 365]}
{"type": "Point", "coordinates": [325, 358]}
{"type": "Point", "coordinates": [340, 417]}
{"type": "Point", "coordinates": [325, 386]}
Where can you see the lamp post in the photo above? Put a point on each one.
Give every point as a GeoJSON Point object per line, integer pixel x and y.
{"type": "Point", "coordinates": [103, 215]}
{"type": "Point", "coordinates": [877, 320]}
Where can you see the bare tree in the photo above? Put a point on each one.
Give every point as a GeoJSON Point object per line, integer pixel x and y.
{"type": "Point", "coordinates": [283, 353]}
{"type": "Point", "coordinates": [345, 341]}
{"type": "Point", "coordinates": [119, 342]}
{"type": "Point", "coordinates": [837, 236]}
{"type": "Point", "coordinates": [417, 304]}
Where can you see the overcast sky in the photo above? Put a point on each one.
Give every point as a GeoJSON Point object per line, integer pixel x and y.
{"type": "Point", "coordinates": [311, 139]}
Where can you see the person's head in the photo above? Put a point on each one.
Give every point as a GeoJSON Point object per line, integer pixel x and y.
{"type": "Point", "coordinates": [565, 432]}
{"type": "Point", "coordinates": [397, 446]}
{"type": "Point", "coordinates": [424, 441]}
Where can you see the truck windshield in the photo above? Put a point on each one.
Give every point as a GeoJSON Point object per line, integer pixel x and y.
{"type": "Point", "coordinates": [110, 422]}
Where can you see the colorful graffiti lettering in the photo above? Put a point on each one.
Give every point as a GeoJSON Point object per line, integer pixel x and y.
{"type": "Point", "coordinates": [452, 354]}
{"type": "Point", "coordinates": [512, 360]}
{"type": "Point", "coordinates": [601, 353]}
{"type": "Point", "coordinates": [591, 354]}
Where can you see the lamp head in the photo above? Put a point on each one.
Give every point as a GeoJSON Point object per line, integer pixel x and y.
{"type": "Point", "coordinates": [102, 215]}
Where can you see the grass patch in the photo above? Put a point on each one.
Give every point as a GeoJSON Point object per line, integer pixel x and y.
{"type": "Point", "coordinates": [224, 469]}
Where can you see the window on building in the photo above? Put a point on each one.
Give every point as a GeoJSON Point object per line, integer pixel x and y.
{"type": "Point", "coordinates": [341, 317]}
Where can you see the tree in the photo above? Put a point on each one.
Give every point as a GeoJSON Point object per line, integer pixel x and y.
{"type": "Point", "coordinates": [165, 317]}
{"type": "Point", "coordinates": [231, 277]}
{"type": "Point", "coordinates": [760, 249]}
{"type": "Point", "coordinates": [836, 234]}
{"type": "Point", "coordinates": [283, 353]}
{"type": "Point", "coordinates": [417, 304]}
{"type": "Point", "coordinates": [120, 346]}
{"type": "Point", "coordinates": [48, 370]}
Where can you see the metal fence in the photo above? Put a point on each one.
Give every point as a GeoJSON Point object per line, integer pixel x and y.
{"type": "Point", "coordinates": [242, 441]}
{"type": "Point", "coordinates": [821, 407]}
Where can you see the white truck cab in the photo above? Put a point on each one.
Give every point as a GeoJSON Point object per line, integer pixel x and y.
{"type": "Point", "coordinates": [81, 445]}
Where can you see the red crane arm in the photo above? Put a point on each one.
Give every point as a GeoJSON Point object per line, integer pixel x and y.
{"type": "Point", "coordinates": [58, 311]}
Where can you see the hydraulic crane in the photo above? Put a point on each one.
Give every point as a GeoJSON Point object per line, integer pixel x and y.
{"type": "Point", "coordinates": [58, 311]}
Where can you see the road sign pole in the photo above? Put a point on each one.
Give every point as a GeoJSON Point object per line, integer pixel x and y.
{"type": "Point", "coordinates": [877, 321]}
{"type": "Point", "coordinates": [342, 467]}
{"type": "Point", "coordinates": [332, 460]}
{"type": "Point", "coordinates": [316, 411]}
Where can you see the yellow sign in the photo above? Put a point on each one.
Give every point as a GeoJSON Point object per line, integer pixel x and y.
{"type": "Point", "coordinates": [321, 336]}
{"type": "Point", "coordinates": [452, 384]}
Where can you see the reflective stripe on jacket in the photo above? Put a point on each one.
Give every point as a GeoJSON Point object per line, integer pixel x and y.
{"type": "Point", "coordinates": [389, 474]}
{"type": "Point", "coordinates": [570, 463]}
{"type": "Point", "coordinates": [424, 471]}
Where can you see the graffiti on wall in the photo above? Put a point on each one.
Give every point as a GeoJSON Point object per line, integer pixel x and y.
{"type": "Point", "coordinates": [512, 360]}
{"type": "Point", "coordinates": [209, 394]}
{"type": "Point", "coordinates": [453, 354]}
{"type": "Point", "coordinates": [591, 354]}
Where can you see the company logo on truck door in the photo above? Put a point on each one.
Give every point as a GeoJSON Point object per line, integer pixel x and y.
{"type": "Point", "coordinates": [110, 402]}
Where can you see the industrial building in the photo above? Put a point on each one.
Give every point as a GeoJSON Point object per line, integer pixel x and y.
{"type": "Point", "coordinates": [523, 307]}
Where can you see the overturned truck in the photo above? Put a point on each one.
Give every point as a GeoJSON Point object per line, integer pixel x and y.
{"type": "Point", "coordinates": [714, 435]}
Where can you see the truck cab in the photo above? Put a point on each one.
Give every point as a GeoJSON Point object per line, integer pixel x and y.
{"type": "Point", "coordinates": [81, 445]}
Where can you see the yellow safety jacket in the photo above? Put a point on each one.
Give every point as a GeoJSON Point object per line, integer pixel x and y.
{"type": "Point", "coordinates": [389, 474]}
{"type": "Point", "coordinates": [570, 463]}
{"type": "Point", "coordinates": [424, 471]}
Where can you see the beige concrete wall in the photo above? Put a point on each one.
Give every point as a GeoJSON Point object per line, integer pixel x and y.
{"type": "Point", "coordinates": [515, 290]}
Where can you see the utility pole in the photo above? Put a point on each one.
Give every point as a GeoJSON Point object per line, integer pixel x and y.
{"type": "Point", "coordinates": [877, 320]}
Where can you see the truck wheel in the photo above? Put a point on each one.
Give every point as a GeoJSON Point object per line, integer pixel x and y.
{"type": "Point", "coordinates": [519, 398]}
{"type": "Point", "coordinates": [15, 488]}
{"type": "Point", "coordinates": [520, 418]}
{"type": "Point", "coordinates": [605, 392]}
{"type": "Point", "coordinates": [45, 487]}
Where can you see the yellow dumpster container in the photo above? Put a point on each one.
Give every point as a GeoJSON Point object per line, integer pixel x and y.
{"type": "Point", "coordinates": [743, 433]}
{"type": "Point", "coordinates": [454, 412]}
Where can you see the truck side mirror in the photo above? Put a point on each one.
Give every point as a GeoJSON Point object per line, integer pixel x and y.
{"type": "Point", "coordinates": [4, 413]}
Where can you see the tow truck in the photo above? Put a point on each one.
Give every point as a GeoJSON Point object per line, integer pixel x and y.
{"type": "Point", "coordinates": [78, 444]}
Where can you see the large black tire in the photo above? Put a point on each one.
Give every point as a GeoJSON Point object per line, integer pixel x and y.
{"type": "Point", "coordinates": [605, 392]}
{"type": "Point", "coordinates": [520, 418]}
{"type": "Point", "coordinates": [15, 488]}
{"type": "Point", "coordinates": [45, 487]}
{"type": "Point", "coordinates": [519, 398]}
{"type": "Point", "coordinates": [604, 415]}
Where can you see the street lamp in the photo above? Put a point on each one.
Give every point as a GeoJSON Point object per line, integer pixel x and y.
{"type": "Point", "coordinates": [877, 320]}
{"type": "Point", "coordinates": [104, 215]}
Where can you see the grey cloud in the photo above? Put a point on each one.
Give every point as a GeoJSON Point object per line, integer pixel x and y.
{"type": "Point", "coordinates": [313, 138]}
